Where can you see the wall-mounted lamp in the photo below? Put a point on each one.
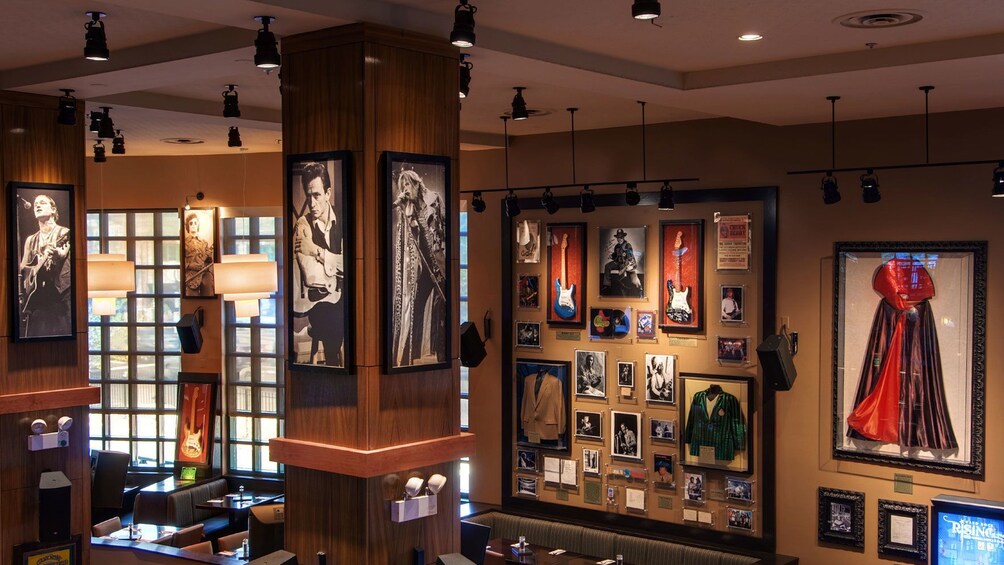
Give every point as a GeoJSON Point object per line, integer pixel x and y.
{"type": "Point", "coordinates": [198, 196]}
{"type": "Point", "coordinates": [244, 279]}
{"type": "Point", "coordinates": [109, 276]}
{"type": "Point", "coordinates": [414, 505]}
{"type": "Point", "coordinates": [39, 440]}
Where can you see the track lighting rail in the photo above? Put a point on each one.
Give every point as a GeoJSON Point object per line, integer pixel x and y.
{"type": "Point", "coordinates": [583, 184]}
{"type": "Point", "coordinates": [893, 167]}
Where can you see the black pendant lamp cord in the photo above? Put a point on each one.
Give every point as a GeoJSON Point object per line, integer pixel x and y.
{"type": "Point", "coordinates": [833, 130]}
{"type": "Point", "coordinates": [505, 138]}
{"type": "Point", "coordinates": [644, 152]}
{"type": "Point", "coordinates": [927, 124]}
{"type": "Point", "coordinates": [571, 112]}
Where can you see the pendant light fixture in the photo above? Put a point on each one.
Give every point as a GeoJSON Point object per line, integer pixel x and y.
{"type": "Point", "coordinates": [109, 275]}
{"type": "Point", "coordinates": [548, 202]}
{"type": "Point", "coordinates": [95, 125]}
{"type": "Point", "coordinates": [106, 128]}
{"type": "Point", "coordinates": [118, 143]}
{"type": "Point", "coordinates": [831, 192]}
{"type": "Point", "coordinates": [463, 25]}
{"type": "Point", "coordinates": [511, 203]}
{"type": "Point", "coordinates": [519, 111]}
{"type": "Point", "coordinates": [646, 9]}
{"type": "Point", "coordinates": [234, 137]}
{"type": "Point", "coordinates": [666, 202]}
{"type": "Point", "coordinates": [231, 103]}
{"type": "Point", "coordinates": [67, 108]}
{"type": "Point", "coordinates": [266, 55]}
{"type": "Point", "coordinates": [870, 188]}
{"type": "Point", "coordinates": [99, 152]}
{"type": "Point", "coordinates": [95, 42]}
{"type": "Point", "coordinates": [465, 75]}
{"type": "Point", "coordinates": [478, 202]}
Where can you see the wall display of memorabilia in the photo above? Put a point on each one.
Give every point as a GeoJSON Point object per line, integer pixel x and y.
{"type": "Point", "coordinates": [733, 301]}
{"type": "Point", "coordinates": [320, 276]}
{"type": "Point", "coordinates": [418, 314]}
{"type": "Point", "coordinates": [902, 530]}
{"type": "Point", "coordinates": [681, 251]}
{"type": "Point", "coordinates": [588, 425]}
{"type": "Point", "coordinates": [646, 323]}
{"type": "Point", "coordinates": [591, 373]}
{"type": "Point", "coordinates": [734, 242]}
{"type": "Point", "coordinates": [609, 323]}
{"type": "Point", "coordinates": [660, 378]}
{"type": "Point", "coordinates": [625, 374]}
{"type": "Point", "coordinates": [739, 490]}
{"type": "Point", "coordinates": [733, 350]}
{"type": "Point", "coordinates": [662, 468]}
{"type": "Point", "coordinates": [526, 460]}
{"type": "Point", "coordinates": [528, 241]}
{"type": "Point", "coordinates": [40, 235]}
{"type": "Point", "coordinates": [693, 487]}
{"type": "Point", "coordinates": [715, 412]}
{"type": "Point", "coordinates": [543, 397]}
{"type": "Point", "coordinates": [740, 518]}
{"type": "Point", "coordinates": [625, 436]}
{"type": "Point", "coordinates": [622, 262]}
{"type": "Point", "coordinates": [566, 274]}
{"type": "Point", "coordinates": [662, 430]}
{"type": "Point", "coordinates": [842, 517]}
{"type": "Point", "coordinates": [197, 399]}
{"type": "Point", "coordinates": [884, 291]}
{"type": "Point", "coordinates": [528, 335]}
{"type": "Point", "coordinates": [528, 290]}
{"type": "Point", "coordinates": [590, 461]}
{"type": "Point", "coordinates": [199, 250]}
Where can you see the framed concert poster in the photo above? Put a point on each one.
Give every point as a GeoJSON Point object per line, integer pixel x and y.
{"type": "Point", "coordinates": [199, 250]}
{"type": "Point", "coordinates": [544, 411]}
{"type": "Point", "coordinates": [320, 276]}
{"type": "Point", "coordinates": [197, 398]}
{"type": "Point", "coordinates": [903, 530]}
{"type": "Point", "coordinates": [40, 233]}
{"type": "Point", "coordinates": [622, 262]}
{"type": "Point", "coordinates": [418, 323]}
{"type": "Point", "coordinates": [716, 424]}
{"type": "Point", "coordinates": [681, 286]}
{"type": "Point", "coordinates": [566, 274]}
{"type": "Point", "coordinates": [65, 552]}
{"type": "Point", "coordinates": [909, 322]}
{"type": "Point", "coordinates": [841, 517]}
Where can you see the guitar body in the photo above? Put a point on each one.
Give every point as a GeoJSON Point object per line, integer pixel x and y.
{"type": "Point", "coordinates": [678, 308]}
{"type": "Point", "coordinates": [564, 304]}
{"type": "Point", "coordinates": [191, 444]}
{"type": "Point", "coordinates": [30, 277]}
{"type": "Point", "coordinates": [305, 297]}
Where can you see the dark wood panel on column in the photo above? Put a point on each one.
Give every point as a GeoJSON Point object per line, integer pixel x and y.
{"type": "Point", "coordinates": [370, 89]}
{"type": "Point", "coordinates": [44, 380]}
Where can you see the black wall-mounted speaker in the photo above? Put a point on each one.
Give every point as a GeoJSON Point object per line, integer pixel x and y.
{"type": "Point", "coordinates": [775, 359]}
{"type": "Point", "coordinates": [190, 333]}
{"type": "Point", "coordinates": [53, 507]}
{"type": "Point", "coordinates": [472, 349]}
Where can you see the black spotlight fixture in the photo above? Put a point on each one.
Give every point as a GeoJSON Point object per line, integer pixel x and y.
{"type": "Point", "coordinates": [478, 203]}
{"type": "Point", "coordinates": [234, 137]}
{"type": "Point", "coordinates": [465, 75]}
{"type": "Point", "coordinates": [870, 188]}
{"type": "Point", "coordinates": [463, 25]}
{"type": "Point", "coordinates": [106, 128]}
{"type": "Point", "coordinates": [67, 108]}
{"type": "Point", "coordinates": [646, 9]}
{"type": "Point", "coordinates": [511, 205]}
{"type": "Point", "coordinates": [95, 43]}
{"type": "Point", "coordinates": [266, 54]}
{"type": "Point", "coordinates": [231, 104]}
{"type": "Point", "coordinates": [95, 126]}
{"type": "Point", "coordinates": [519, 104]}
{"type": "Point", "coordinates": [586, 205]}
{"type": "Point", "coordinates": [666, 197]}
{"type": "Point", "coordinates": [118, 143]}
{"type": "Point", "coordinates": [99, 152]}
{"type": "Point", "coordinates": [548, 202]}
{"type": "Point", "coordinates": [831, 192]}
{"type": "Point", "coordinates": [999, 181]}
{"type": "Point", "coordinates": [631, 196]}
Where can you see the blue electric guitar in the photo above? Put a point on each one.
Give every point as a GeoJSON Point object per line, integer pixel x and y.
{"type": "Point", "coordinates": [678, 309]}
{"type": "Point", "coordinates": [564, 303]}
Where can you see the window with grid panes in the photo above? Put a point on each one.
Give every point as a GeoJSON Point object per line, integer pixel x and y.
{"type": "Point", "coordinates": [255, 356]}
{"type": "Point", "coordinates": [465, 463]}
{"type": "Point", "coordinates": [135, 355]}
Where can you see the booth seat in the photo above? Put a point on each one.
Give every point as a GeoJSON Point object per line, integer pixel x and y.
{"type": "Point", "coordinates": [177, 508]}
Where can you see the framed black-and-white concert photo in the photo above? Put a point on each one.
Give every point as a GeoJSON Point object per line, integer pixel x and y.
{"type": "Point", "coordinates": [733, 304]}
{"type": "Point", "coordinates": [591, 373]}
{"type": "Point", "coordinates": [588, 425]}
{"type": "Point", "coordinates": [625, 434]}
{"type": "Point", "coordinates": [526, 486]}
{"type": "Point", "coordinates": [662, 430]}
{"type": "Point", "coordinates": [42, 278]}
{"type": "Point", "coordinates": [528, 335]}
{"type": "Point", "coordinates": [418, 320]}
{"type": "Point", "coordinates": [903, 530]}
{"type": "Point", "coordinates": [199, 250]}
{"type": "Point", "coordinates": [319, 277]}
{"type": "Point", "coordinates": [842, 517]}
{"type": "Point", "coordinates": [590, 461]}
{"type": "Point", "coordinates": [660, 378]}
{"type": "Point", "coordinates": [526, 460]}
{"type": "Point", "coordinates": [625, 374]}
{"type": "Point", "coordinates": [622, 262]}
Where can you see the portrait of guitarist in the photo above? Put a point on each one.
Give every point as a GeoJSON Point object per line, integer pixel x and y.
{"type": "Point", "coordinates": [199, 255]}
{"type": "Point", "coordinates": [44, 274]}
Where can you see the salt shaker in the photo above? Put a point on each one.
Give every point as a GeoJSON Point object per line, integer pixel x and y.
{"type": "Point", "coordinates": [241, 491]}
{"type": "Point", "coordinates": [244, 548]}
{"type": "Point", "coordinates": [522, 544]}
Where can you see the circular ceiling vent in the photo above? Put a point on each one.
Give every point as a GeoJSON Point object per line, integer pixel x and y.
{"type": "Point", "coordinates": [873, 19]}
{"type": "Point", "coordinates": [184, 140]}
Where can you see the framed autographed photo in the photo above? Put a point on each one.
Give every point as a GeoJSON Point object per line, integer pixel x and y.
{"type": "Point", "coordinates": [528, 335]}
{"type": "Point", "coordinates": [418, 321]}
{"type": "Point", "coordinates": [67, 552]}
{"type": "Point", "coordinates": [903, 530]}
{"type": "Point", "coordinates": [591, 373]}
{"type": "Point", "coordinates": [733, 304]}
{"type": "Point", "coordinates": [319, 277]}
{"type": "Point", "coordinates": [588, 425]}
{"type": "Point", "coordinates": [892, 339]}
{"type": "Point", "coordinates": [566, 274]}
{"type": "Point", "coordinates": [841, 517]}
{"type": "Point", "coordinates": [625, 430]}
{"type": "Point", "coordinates": [197, 398]}
{"type": "Point", "coordinates": [528, 241]}
{"type": "Point", "coordinates": [681, 286]}
{"type": "Point", "coordinates": [543, 418]}
{"type": "Point", "coordinates": [660, 378]}
{"type": "Point", "coordinates": [40, 226]}
{"type": "Point", "coordinates": [622, 262]}
{"type": "Point", "coordinates": [199, 250]}
{"type": "Point", "coordinates": [716, 425]}
{"type": "Point", "coordinates": [625, 374]}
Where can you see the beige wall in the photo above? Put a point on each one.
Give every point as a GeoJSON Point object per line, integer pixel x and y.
{"type": "Point", "coordinates": [921, 204]}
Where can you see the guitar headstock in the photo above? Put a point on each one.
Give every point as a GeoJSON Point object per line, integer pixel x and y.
{"type": "Point", "coordinates": [564, 241]}
{"type": "Point", "coordinates": [679, 240]}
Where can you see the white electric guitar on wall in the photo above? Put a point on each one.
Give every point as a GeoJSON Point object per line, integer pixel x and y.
{"type": "Point", "coordinates": [564, 303]}
{"type": "Point", "coordinates": [191, 445]}
{"type": "Point", "coordinates": [678, 309]}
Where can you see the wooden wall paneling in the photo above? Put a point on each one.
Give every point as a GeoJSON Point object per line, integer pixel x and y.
{"type": "Point", "coordinates": [21, 468]}
{"type": "Point", "coordinates": [323, 408]}
{"type": "Point", "coordinates": [370, 226]}
{"type": "Point", "coordinates": [323, 513]}
{"type": "Point", "coordinates": [409, 407]}
{"type": "Point", "coordinates": [19, 515]}
{"type": "Point", "coordinates": [39, 366]}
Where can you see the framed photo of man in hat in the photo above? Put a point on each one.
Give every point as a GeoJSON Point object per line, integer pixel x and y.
{"type": "Point", "coordinates": [622, 262]}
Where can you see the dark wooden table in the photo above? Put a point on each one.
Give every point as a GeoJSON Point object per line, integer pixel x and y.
{"type": "Point", "coordinates": [236, 507]}
{"type": "Point", "coordinates": [540, 555]}
{"type": "Point", "coordinates": [143, 532]}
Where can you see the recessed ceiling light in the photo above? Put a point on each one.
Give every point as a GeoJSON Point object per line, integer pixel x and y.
{"type": "Point", "coordinates": [183, 140]}
{"type": "Point", "coordinates": [750, 37]}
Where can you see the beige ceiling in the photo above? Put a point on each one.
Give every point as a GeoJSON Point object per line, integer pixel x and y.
{"type": "Point", "coordinates": [170, 60]}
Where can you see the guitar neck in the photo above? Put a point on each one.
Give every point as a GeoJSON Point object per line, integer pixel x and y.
{"type": "Point", "coordinates": [564, 275]}
{"type": "Point", "coordinates": [679, 264]}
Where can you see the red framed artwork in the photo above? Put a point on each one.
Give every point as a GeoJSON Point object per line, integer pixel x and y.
{"type": "Point", "coordinates": [681, 259]}
{"type": "Point", "coordinates": [566, 274]}
{"type": "Point", "coordinates": [196, 416]}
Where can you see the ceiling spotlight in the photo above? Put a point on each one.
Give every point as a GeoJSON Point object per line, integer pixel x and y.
{"type": "Point", "coordinates": [234, 137]}
{"type": "Point", "coordinates": [99, 152]}
{"type": "Point", "coordinates": [750, 37]}
{"type": "Point", "coordinates": [478, 203]}
{"type": "Point", "coordinates": [95, 126]}
{"type": "Point", "coordinates": [666, 197]}
{"type": "Point", "coordinates": [118, 143]}
{"type": "Point", "coordinates": [870, 188]}
{"type": "Point", "coordinates": [231, 105]}
{"type": "Point", "coordinates": [511, 205]}
{"type": "Point", "coordinates": [586, 200]}
{"type": "Point", "coordinates": [463, 25]}
{"type": "Point", "coordinates": [266, 54]}
{"type": "Point", "coordinates": [646, 9]}
{"type": "Point", "coordinates": [67, 108]}
{"type": "Point", "coordinates": [106, 128]}
{"type": "Point", "coordinates": [999, 181]}
{"type": "Point", "coordinates": [631, 196]}
{"type": "Point", "coordinates": [95, 43]}
{"type": "Point", "coordinates": [548, 202]}
{"type": "Point", "coordinates": [465, 75]}
{"type": "Point", "coordinates": [831, 193]}
{"type": "Point", "coordinates": [519, 104]}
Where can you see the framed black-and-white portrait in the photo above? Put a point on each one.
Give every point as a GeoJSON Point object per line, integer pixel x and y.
{"type": "Point", "coordinates": [526, 460]}
{"type": "Point", "coordinates": [739, 490]}
{"type": "Point", "coordinates": [693, 487]}
{"type": "Point", "coordinates": [199, 250]}
{"type": "Point", "coordinates": [528, 335]}
{"type": "Point", "coordinates": [625, 434]}
{"type": "Point", "coordinates": [740, 518]}
{"type": "Point", "coordinates": [660, 378]}
{"type": "Point", "coordinates": [528, 291]}
{"type": "Point", "coordinates": [733, 304]}
{"type": "Point", "coordinates": [903, 530]}
{"type": "Point", "coordinates": [842, 517]}
{"type": "Point", "coordinates": [622, 262]}
{"type": "Point", "coordinates": [418, 321]}
{"type": "Point", "coordinates": [591, 373]}
{"type": "Point", "coordinates": [663, 469]}
{"type": "Point", "coordinates": [40, 232]}
{"type": "Point", "coordinates": [733, 350]}
{"type": "Point", "coordinates": [590, 461]}
{"type": "Point", "coordinates": [588, 425]}
{"type": "Point", "coordinates": [526, 486]}
{"type": "Point", "coordinates": [625, 374]}
{"type": "Point", "coordinates": [662, 430]}
{"type": "Point", "coordinates": [528, 241]}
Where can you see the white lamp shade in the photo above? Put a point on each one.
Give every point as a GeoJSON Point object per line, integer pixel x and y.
{"type": "Point", "coordinates": [110, 275]}
{"type": "Point", "coordinates": [103, 306]}
{"type": "Point", "coordinates": [246, 275]}
{"type": "Point", "coordinates": [246, 308]}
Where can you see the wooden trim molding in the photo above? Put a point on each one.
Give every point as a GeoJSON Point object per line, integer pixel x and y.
{"type": "Point", "coordinates": [368, 464]}
{"type": "Point", "coordinates": [49, 399]}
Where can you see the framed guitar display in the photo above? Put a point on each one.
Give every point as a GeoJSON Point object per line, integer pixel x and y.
{"type": "Point", "coordinates": [40, 233]}
{"type": "Point", "coordinates": [681, 288]}
{"type": "Point", "coordinates": [320, 274]}
{"type": "Point", "coordinates": [199, 250]}
{"type": "Point", "coordinates": [197, 398]}
{"type": "Point", "coordinates": [566, 274]}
